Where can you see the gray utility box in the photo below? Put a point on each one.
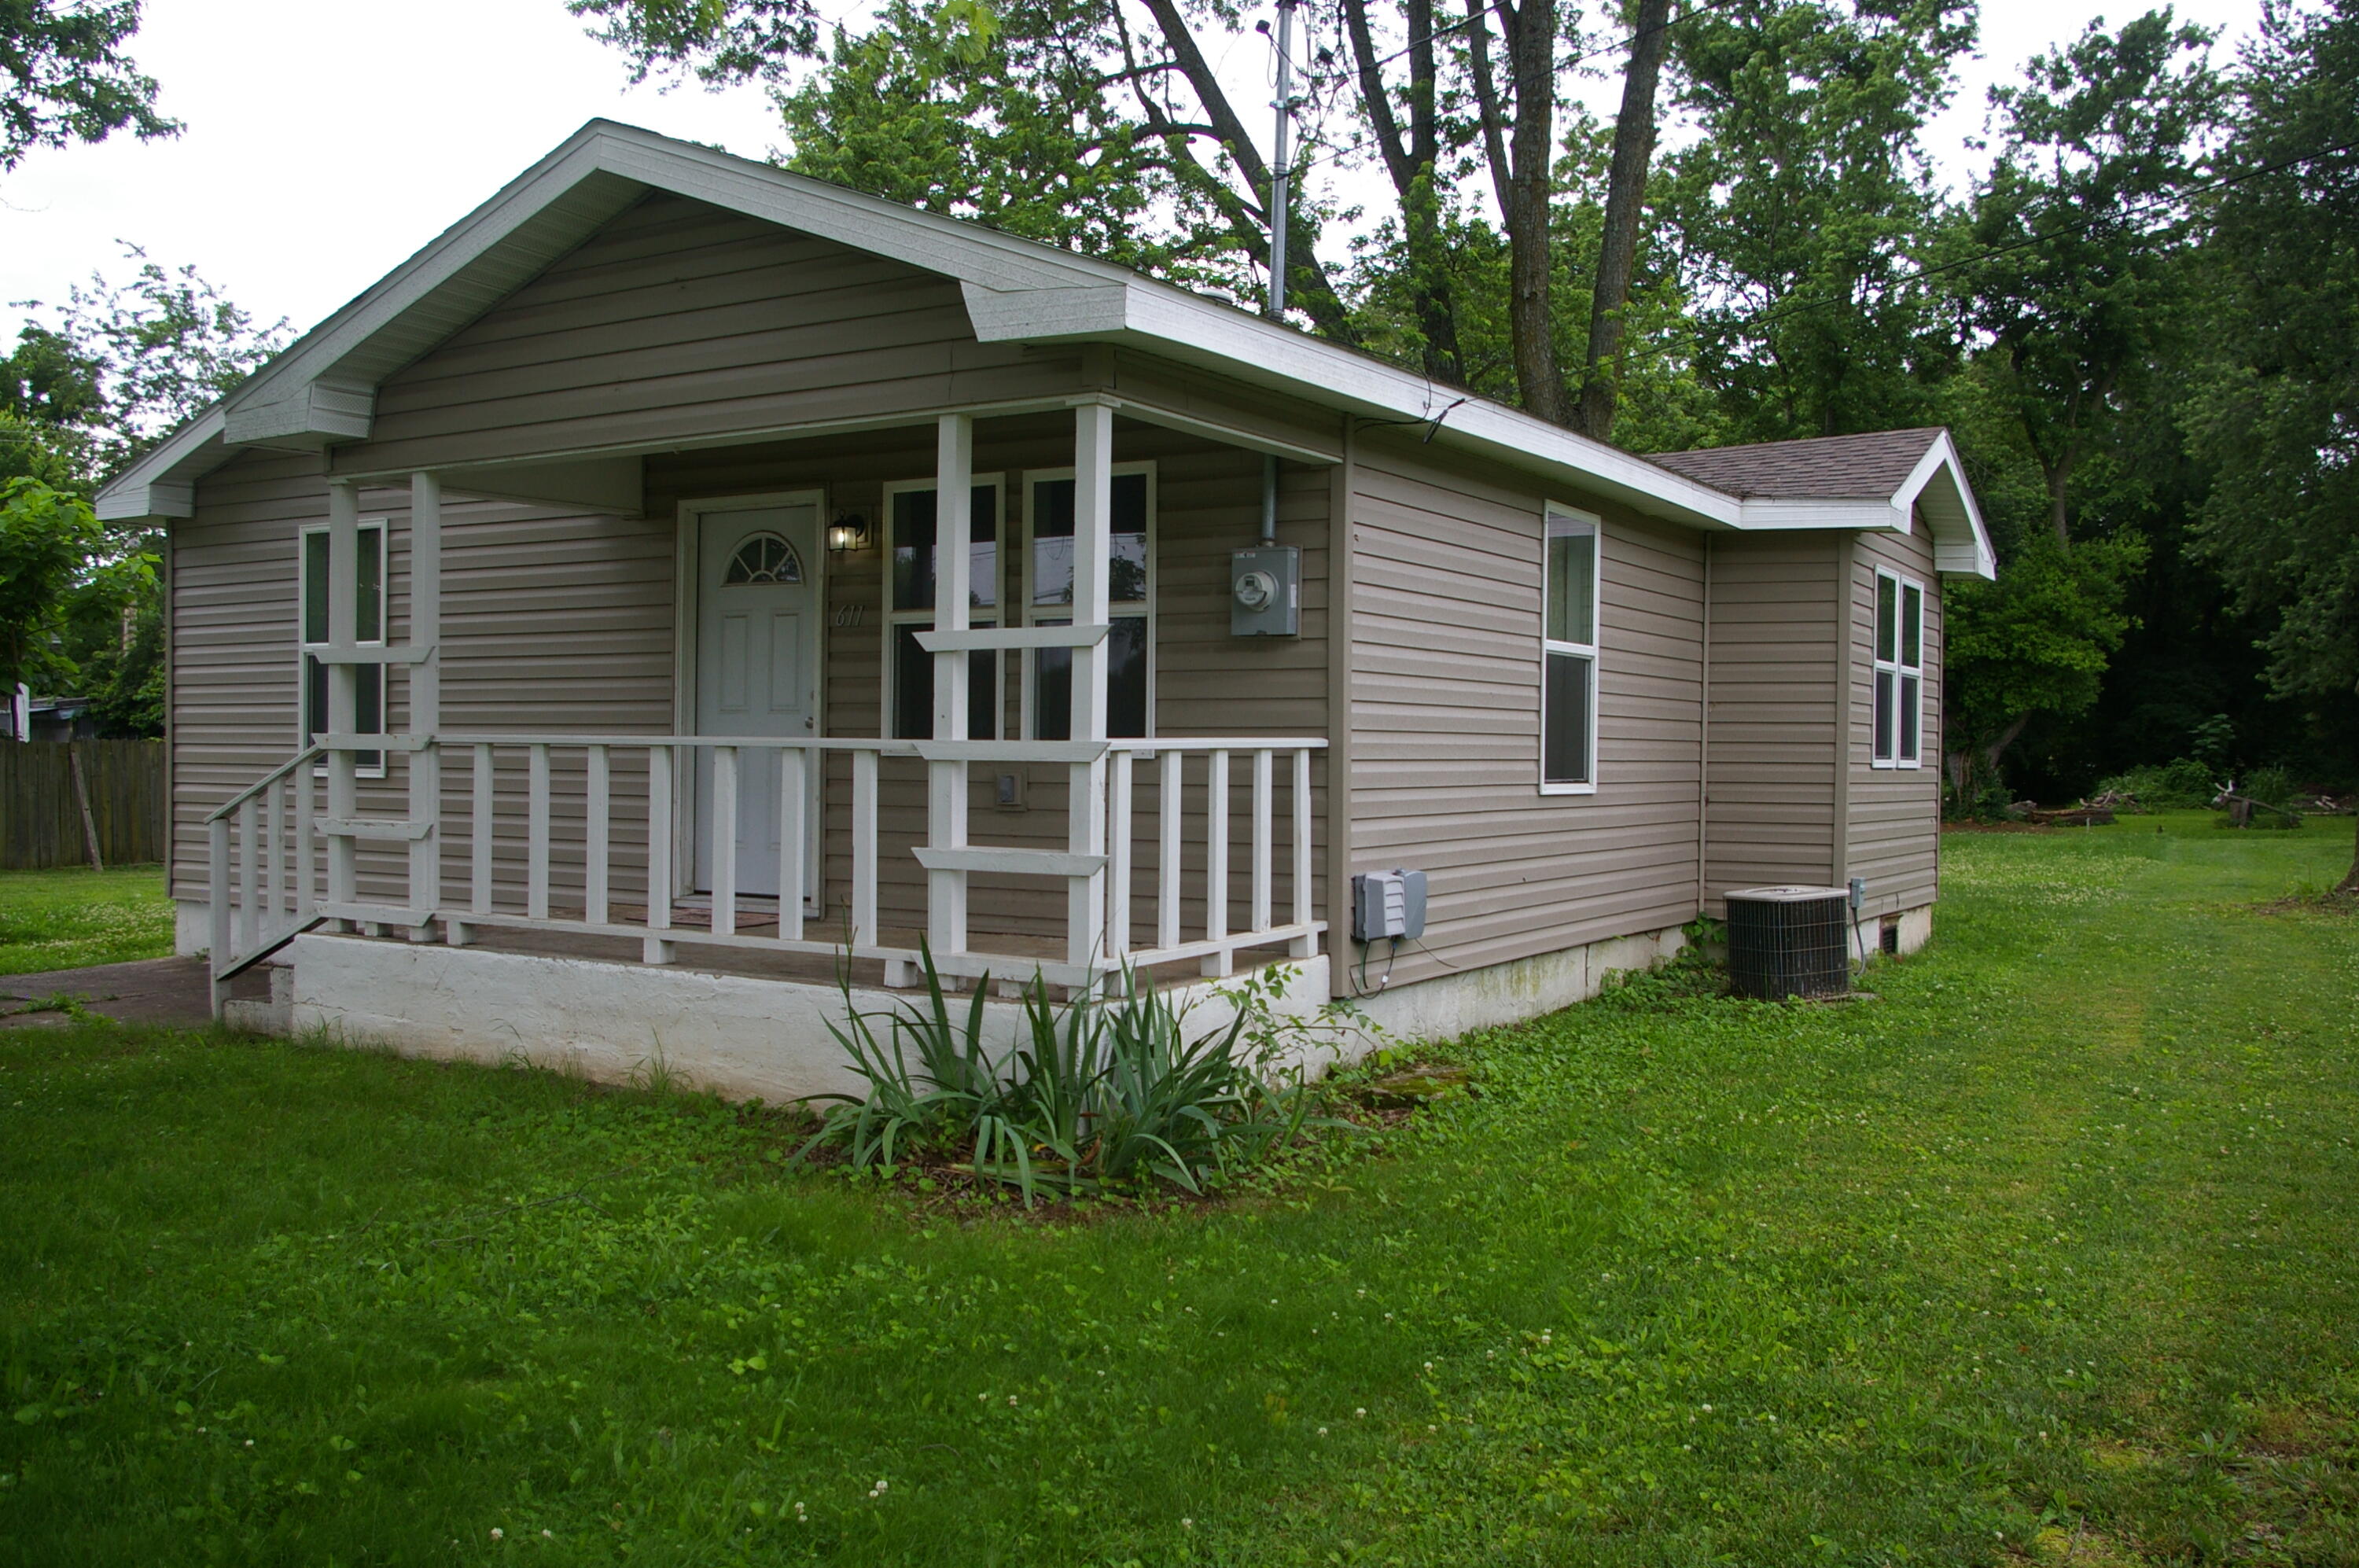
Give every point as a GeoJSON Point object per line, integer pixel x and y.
{"type": "Point", "coordinates": [1265, 591]}
{"type": "Point", "coordinates": [1388, 904]}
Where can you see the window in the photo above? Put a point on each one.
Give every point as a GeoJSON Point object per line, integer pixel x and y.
{"type": "Point", "coordinates": [368, 626]}
{"type": "Point", "coordinates": [1129, 645]}
{"type": "Point", "coordinates": [1569, 656]}
{"type": "Point", "coordinates": [910, 574]}
{"type": "Point", "coordinates": [1897, 726]}
{"type": "Point", "coordinates": [765, 558]}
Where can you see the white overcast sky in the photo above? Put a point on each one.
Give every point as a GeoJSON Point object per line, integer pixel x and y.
{"type": "Point", "coordinates": [327, 139]}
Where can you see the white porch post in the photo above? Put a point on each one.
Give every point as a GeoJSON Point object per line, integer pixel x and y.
{"type": "Point", "coordinates": [344, 685]}
{"type": "Point", "coordinates": [426, 699]}
{"type": "Point", "coordinates": [947, 780]}
{"type": "Point", "coordinates": [1085, 910]}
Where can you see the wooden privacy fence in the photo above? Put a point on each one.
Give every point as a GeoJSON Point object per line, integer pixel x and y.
{"type": "Point", "coordinates": [43, 819]}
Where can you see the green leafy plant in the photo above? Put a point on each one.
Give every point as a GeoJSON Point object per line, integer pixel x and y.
{"type": "Point", "coordinates": [1097, 1092]}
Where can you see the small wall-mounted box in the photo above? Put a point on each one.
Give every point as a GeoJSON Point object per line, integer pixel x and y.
{"type": "Point", "coordinates": [1265, 591]}
{"type": "Point", "coordinates": [1388, 904]}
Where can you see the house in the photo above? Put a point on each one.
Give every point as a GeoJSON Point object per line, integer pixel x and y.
{"type": "Point", "coordinates": [682, 576]}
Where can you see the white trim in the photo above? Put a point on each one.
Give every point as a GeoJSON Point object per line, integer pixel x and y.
{"type": "Point", "coordinates": [1896, 666]}
{"type": "Point", "coordinates": [163, 484]}
{"type": "Point", "coordinates": [687, 587]}
{"type": "Point", "coordinates": [892, 618]}
{"type": "Point", "coordinates": [1577, 524]}
{"type": "Point", "coordinates": [305, 647]}
{"type": "Point", "coordinates": [1117, 608]}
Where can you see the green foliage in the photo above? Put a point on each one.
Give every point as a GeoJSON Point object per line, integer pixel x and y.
{"type": "Point", "coordinates": [64, 78]}
{"type": "Point", "coordinates": [1095, 1095]}
{"type": "Point", "coordinates": [2274, 411]}
{"type": "Point", "coordinates": [2035, 640]}
{"type": "Point", "coordinates": [1690, 1279]}
{"type": "Point", "coordinates": [1799, 209]}
{"type": "Point", "coordinates": [45, 537]}
{"type": "Point", "coordinates": [2186, 785]}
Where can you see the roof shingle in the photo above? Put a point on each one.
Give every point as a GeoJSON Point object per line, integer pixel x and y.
{"type": "Point", "coordinates": [1831, 468]}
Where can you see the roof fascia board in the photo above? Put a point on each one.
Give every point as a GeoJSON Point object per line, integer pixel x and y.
{"type": "Point", "coordinates": [1972, 554]}
{"type": "Point", "coordinates": [162, 485]}
{"type": "Point", "coordinates": [1179, 326]}
{"type": "Point", "coordinates": [1774, 515]}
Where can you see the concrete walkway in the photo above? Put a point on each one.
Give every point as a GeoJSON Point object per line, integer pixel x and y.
{"type": "Point", "coordinates": [169, 991]}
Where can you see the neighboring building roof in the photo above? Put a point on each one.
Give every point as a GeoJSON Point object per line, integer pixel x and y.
{"type": "Point", "coordinates": [322, 389]}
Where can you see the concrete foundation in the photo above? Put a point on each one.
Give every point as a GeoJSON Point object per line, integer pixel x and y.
{"type": "Point", "coordinates": [613, 1022]}
{"type": "Point", "coordinates": [1453, 1005]}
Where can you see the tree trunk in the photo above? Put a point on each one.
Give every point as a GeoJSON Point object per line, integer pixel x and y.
{"type": "Point", "coordinates": [1626, 193]}
{"type": "Point", "coordinates": [2350, 883]}
{"type": "Point", "coordinates": [1409, 162]}
{"type": "Point", "coordinates": [1518, 137]}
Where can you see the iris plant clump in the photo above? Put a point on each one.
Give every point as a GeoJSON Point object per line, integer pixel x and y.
{"type": "Point", "coordinates": [1097, 1094]}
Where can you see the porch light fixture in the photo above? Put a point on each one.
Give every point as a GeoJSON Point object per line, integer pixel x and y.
{"type": "Point", "coordinates": [847, 533]}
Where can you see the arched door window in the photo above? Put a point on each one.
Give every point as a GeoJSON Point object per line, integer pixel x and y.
{"type": "Point", "coordinates": [763, 558]}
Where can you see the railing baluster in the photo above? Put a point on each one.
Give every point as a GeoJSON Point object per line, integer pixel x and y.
{"type": "Point", "coordinates": [598, 811]}
{"type": "Point", "coordinates": [249, 850]}
{"type": "Point", "coordinates": [864, 849]}
{"type": "Point", "coordinates": [217, 890]}
{"type": "Point", "coordinates": [1261, 847]}
{"type": "Point", "coordinates": [535, 886]}
{"type": "Point", "coordinates": [1217, 866]}
{"type": "Point", "coordinates": [723, 834]}
{"type": "Point", "coordinates": [658, 950]}
{"type": "Point", "coordinates": [1117, 922]}
{"type": "Point", "coordinates": [305, 848]}
{"type": "Point", "coordinates": [794, 773]}
{"type": "Point", "coordinates": [274, 850]}
{"type": "Point", "coordinates": [1169, 814]}
{"type": "Point", "coordinates": [480, 824]}
{"type": "Point", "coordinates": [1305, 946]}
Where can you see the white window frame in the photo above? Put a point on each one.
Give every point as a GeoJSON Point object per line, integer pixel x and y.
{"type": "Point", "coordinates": [304, 648]}
{"type": "Point", "coordinates": [1885, 709]}
{"type": "Point", "coordinates": [1563, 522]}
{"type": "Point", "coordinates": [895, 617]}
{"type": "Point", "coordinates": [1130, 609]}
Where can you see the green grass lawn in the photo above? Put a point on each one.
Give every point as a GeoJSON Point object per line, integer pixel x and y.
{"type": "Point", "coordinates": [70, 918]}
{"type": "Point", "coordinates": [2044, 1255]}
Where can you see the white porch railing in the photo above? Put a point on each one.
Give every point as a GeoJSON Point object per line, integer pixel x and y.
{"type": "Point", "coordinates": [274, 856]}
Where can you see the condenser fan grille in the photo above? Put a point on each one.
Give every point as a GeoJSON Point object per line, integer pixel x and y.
{"type": "Point", "coordinates": [1789, 941]}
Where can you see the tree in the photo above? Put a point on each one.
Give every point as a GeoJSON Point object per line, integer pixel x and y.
{"type": "Point", "coordinates": [1802, 211]}
{"type": "Point", "coordinates": [45, 537]}
{"type": "Point", "coordinates": [2036, 640]}
{"type": "Point", "coordinates": [2073, 240]}
{"type": "Point", "coordinates": [1626, 195]}
{"type": "Point", "coordinates": [2278, 411]}
{"type": "Point", "coordinates": [63, 78]}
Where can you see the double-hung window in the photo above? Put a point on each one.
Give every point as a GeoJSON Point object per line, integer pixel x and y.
{"type": "Point", "coordinates": [1130, 594]}
{"type": "Point", "coordinates": [1569, 654]}
{"type": "Point", "coordinates": [910, 577]}
{"type": "Point", "coordinates": [368, 628]}
{"type": "Point", "coordinates": [1899, 724]}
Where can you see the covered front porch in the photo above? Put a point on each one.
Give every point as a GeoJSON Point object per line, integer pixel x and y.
{"type": "Point", "coordinates": [957, 701]}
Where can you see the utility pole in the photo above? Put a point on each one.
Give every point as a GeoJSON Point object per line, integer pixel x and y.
{"type": "Point", "coordinates": [1284, 105]}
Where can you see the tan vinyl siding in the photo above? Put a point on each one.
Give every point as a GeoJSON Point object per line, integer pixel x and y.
{"type": "Point", "coordinates": [1896, 813]}
{"type": "Point", "coordinates": [1445, 671]}
{"type": "Point", "coordinates": [678, 321]}
{"type": "Point", "coordinates": [1771, 767]}
{"type": "Point", "coordinates": [550, 621]}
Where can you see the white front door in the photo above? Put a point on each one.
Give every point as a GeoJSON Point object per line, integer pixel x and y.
{"type": "Point", "coordinates": [758, 613]}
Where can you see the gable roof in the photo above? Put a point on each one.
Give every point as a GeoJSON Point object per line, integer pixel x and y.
{"type": "Point", "coordinates": [1857, 467]}
{"type": "Point", "coordinates": [322, 389]}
